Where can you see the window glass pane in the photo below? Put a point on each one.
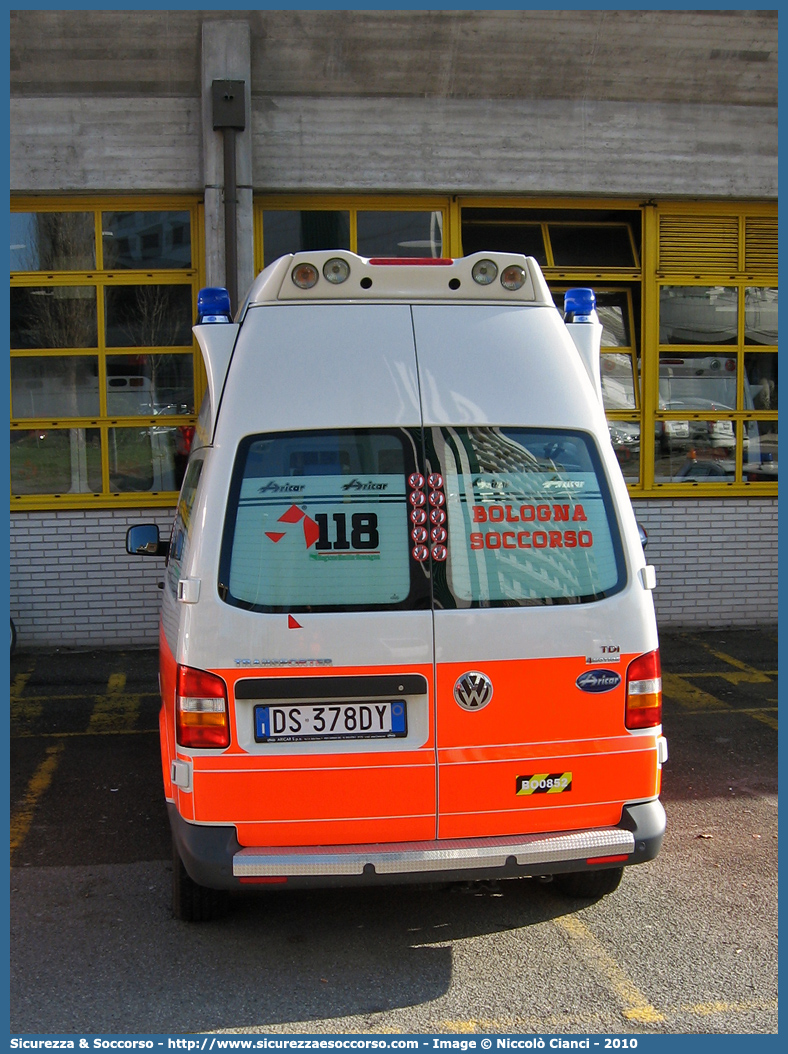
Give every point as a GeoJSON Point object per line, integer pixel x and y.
{"type": "Point", "coordinates": [697, 314]}
{"type": "Point", "coordinates": [697, 382]}
{"type": "Point", "coordinates": [54, 317]}
{"type": "Point", "coordinates": [147, 459]}
{"type": "Point", "coordinates": [588, 245]}
{"type": "Point", "coordinates": [53, 388]}
{"type": "Point", "coordinates": [52, 241]}
{"type": "Point", "coordinates": [625, 437]}
{"type": "Point", "coordinates": [149, 384]}
{"type": "Point", "coordinates": [502, 230]}
{"type": "Point", "coordinates": [286, 231]}
{"type": "Point", "coordinates": [760, 381]}
{"type": "Point", "coordinates": [145, 240]}
{"type": "Point", "coordinates": [695, 451]}
{"type": "Point", "coordinates": [400, 233]}
{"type": "Point", "coordinates": [760, 452]}
{"type": "Point", "coordinates": [56, 461]}
{"type": "Point", "coordinates": [612, 309]}
{"type": "Point", "coordinates": [148, 316]}
{"type": "Point", "coordinates": [181, 529]}
{"type": "Point", "coordinates": [618, 381]}
{"type": "Point", "coordinates": [760, 316]}
{"type": "Point", "coordinates": [320, 520]}
{"type": "Point", "coordinates": [529, 518]}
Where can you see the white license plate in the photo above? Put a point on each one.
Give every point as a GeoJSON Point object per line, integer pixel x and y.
{"type": "Point", "coordinates": [318, 721]}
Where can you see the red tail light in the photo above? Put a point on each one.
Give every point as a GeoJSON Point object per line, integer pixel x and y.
{"type": "Point", "coordinates": [644, 692]}
{"type": "Point", "coordinates": [201, 717]}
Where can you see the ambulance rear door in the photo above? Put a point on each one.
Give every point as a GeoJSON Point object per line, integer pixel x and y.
{"type": "Point", "coordinates": [534, 610]}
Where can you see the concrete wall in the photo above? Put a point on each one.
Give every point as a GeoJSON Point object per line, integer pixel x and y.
{"type": "Point", "coordinates": [659, 103]}
{"type": "Point", "coordinates": [73, 585]}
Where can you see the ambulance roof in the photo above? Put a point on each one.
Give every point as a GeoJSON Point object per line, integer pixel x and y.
{"type": "Point", "coordinates": [331, 275]}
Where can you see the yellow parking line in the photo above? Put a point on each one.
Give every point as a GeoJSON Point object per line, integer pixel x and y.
{"type": "Point", "coordinates": [635, 1006]}
{"type": "Point", "coordinates": [679, 690]}
{"type": "Point", "coordinates": [39, 783]}
{"type": "Point", "coordinates": [585, 1022]}
{"type": "Point", "coordinates": [746, 674]}
{"type": "Point", "coordinates": [114, 711]}
{"type": "Point", "coordinates": [689, 695]}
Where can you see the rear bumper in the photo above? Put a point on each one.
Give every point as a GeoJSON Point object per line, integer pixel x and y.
{"type": "Point", "coordinates": [213, 857]}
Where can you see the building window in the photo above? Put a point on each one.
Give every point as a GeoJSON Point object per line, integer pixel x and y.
{"type": "Point", "coordinates": [104, 376]}
{"type": "Point", "coordinates": [716, 393]}
{"type": "Point", "coordinates": [371, 228]}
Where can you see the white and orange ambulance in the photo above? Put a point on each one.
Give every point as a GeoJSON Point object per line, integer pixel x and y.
{"type": "Point", "coordinates": [407, 629]}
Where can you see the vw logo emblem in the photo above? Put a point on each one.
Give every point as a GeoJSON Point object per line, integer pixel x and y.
{"type": "Point", "coordinates": [473, 690]}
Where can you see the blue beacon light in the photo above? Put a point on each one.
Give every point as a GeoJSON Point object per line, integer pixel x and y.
{"type": "Point", "coordinates": [213, 305]}
{"type": "Point", "coordinates": [580, 305]}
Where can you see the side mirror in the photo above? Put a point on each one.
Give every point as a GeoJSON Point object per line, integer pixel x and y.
{"type": "Point", "coordinates": [144, 540]}
{"type": "Point", "coordinates": [643, 535]}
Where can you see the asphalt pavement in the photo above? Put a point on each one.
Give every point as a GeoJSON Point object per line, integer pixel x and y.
{"type": "Point", "coordinates": [687, 944]}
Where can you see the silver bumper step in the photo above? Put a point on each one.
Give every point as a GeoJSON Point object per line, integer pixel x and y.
{"type": "Point", "coordinates": [402, 858]}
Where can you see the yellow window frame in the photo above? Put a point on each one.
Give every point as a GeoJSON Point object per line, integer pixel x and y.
{"type": "Point", "coordinates": [101, 278]}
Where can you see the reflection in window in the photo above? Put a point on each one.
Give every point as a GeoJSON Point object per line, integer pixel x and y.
{"type": "Point", "coordinates": [625, 437]}
{"type": "Point", "coordinates": [760, 381]}
{"type": "Point", "coordinates": [156, 239]}
{"type": "Point", "coordinates": [54, 387]}
{"type": "Point", "coordinates": [699, 382]}
{"type": "Point", "coordinates": [290, 231]}
{"type": "Point", "coordinates": [698, 315]}
{"type": "Point", "coordinates": [53, 317]}
{"type": "Point", "coordinates": [147, 459]}
{"type": "Point", "coordinates": [760, 316]}
{"type": "Point", "coordinates": [56, 461]}
{"type": "Point", "coordinates": [618, 381]}
{"type": "Point", "coordinates": [400, 233]}
{"type": "Point", "coordinates": [706, 454]}
{"type": "Point", "coordinates": [760, 452]}
{"type": "Point", "coordinates": [52, 241]}
{"type": "Point", "coordinates": [148, 316]}
{"type": "Point", "coordinates": [142, 385]}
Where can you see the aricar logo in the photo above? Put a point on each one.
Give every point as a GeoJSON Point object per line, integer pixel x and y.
{"type": "Point", "coordinates": [598, 681]}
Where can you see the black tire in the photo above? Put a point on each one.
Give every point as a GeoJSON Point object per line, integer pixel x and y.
{"type": "Point", "coordinates": [193, 903]}
{"type": "Point", "coordinates": [13, 637]}
{"type": "Point", "coordinates": [588, 885]}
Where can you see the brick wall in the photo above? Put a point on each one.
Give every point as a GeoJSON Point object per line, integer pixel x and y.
{"type": "Point", "coordinates": [716, 560]}
{"type": "Point", "coordinates": [73, 585]}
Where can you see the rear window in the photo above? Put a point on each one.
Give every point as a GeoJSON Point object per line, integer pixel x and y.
{"type": "Point", "coordinates": [374, 519]}
{"type": "Point", "coordinates": [319, 521]}
{"type": "Point", "coordinates": [530, 519]}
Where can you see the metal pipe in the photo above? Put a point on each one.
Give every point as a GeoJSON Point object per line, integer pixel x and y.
{"type": "Point", "coordinates": [230, 214]}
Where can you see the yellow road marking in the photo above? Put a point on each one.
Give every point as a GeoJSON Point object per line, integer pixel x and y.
{"type": "Point", "coordinates": [695, 700]}
{"type": "Point", "coordinates": [114, 711]}
{"type": "Point", "coordinates": [39, 783]}
{"type": "Point", "coordinates": [681, 691]}
{"type": "Point", "coordinates": [22, 709]}
{"type": "Point", "coordinates": [585, 1022]}
{"type": "Point", "coordinates": [635, 1006]}
{"type": "Point", "coordinates": [747, 674]}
